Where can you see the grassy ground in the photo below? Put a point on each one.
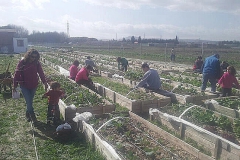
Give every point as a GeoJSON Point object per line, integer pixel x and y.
{"type": "Point", "coordinates": [16, 134]}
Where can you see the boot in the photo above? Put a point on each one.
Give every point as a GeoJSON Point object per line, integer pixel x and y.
{"type": "Point", "coordinates": [33, 117]}
{"type": "Point", "coordinates": [28, 117]}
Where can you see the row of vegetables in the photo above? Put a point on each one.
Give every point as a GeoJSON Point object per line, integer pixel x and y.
{"type": "Point", "coordinates": [225, 126]}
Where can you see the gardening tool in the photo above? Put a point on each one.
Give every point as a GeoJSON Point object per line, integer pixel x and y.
{"type": "Point", "coordinates": [130, 91]}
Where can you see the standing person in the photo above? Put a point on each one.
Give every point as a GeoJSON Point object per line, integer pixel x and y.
{"type": "Point", "coordinates": [211, 72]}
{"type": "Point", "coordinates": [151, 80]}
{"type": "Point", "coordinates": [53, 95]}
{"type": "Point", "coordinates": [198, 64]}
{"type": "Point", "coordinates": [122, 64]}
{"type": "Point", "coordinates": [74, 69]}
{"type": "Point", "coordinates": [27, 73]}
{"type": "Point", "coordinates": [82, 77]}
{"type": "Point", "coordinates": [227, 80]}
{"type": "Point", "coordinates": [172, 55]}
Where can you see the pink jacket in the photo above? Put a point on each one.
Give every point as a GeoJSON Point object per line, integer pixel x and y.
{"type": "Point", "coordinates": [73, 71]}
{"type": "Point", "coordinates": [27, 74]}
{"type": "Point", "coordinates": [82, 74]}
{"type": "Point", "coordinates": [227, 80]}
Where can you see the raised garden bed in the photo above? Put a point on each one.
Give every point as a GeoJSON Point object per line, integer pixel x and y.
{"type": "Point", "coordinates": [211, 131]}
{"type": "Point", "coordinates": [136, 100]}
{"type": "Point", "coordinates": [187, 94]}
{"type": "Point", "coordinates": [133, 137]}
{"type": "Point", "coordinates": [83, 98]}
{"type": "Point", "coordinates": [136, 106]}
{"type": "Point", "coordinates": [229, 106]}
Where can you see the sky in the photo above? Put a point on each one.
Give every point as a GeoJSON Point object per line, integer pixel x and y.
{"type": "Point", "coordinates": [214, 20]}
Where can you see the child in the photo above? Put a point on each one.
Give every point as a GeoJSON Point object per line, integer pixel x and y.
{"type": "Point", "coordinates": [54, 94]}
{"type": "Point", "coordinates": [227, 80]}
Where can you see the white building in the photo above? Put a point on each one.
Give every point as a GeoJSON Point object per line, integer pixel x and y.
{"type": "Point", "coordinates": [20, 45]}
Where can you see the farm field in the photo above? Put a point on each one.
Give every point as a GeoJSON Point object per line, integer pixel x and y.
{"type": "Point", "coordinates": [123, 134]}
{"type": "Point", "coordinates": [16, 135]}
{"type": "Point", "coordinates": [175, 70]}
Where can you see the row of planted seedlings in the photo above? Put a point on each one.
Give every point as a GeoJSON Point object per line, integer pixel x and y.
{"type": "Point", "coordinates": [215, 134]}
{"type": "Point", "coordinates": [195, 79]}
{"type": "Point", "coordinates": [83, 99]}
{"type": "Point", "coordinates": [185, 92]}
{"type": "Point", "coordinates": [232, 110]}
{"type": "Point", "coordinates": [134, 137]}
{"type": "Point", "coordinates": [229, 106]}
{"type": "Point", "coordinates": [200, 149]}
{"type": "Point", "coordinates": [131, 138]}
{"type": "Point", "coordinates": [136, 101]}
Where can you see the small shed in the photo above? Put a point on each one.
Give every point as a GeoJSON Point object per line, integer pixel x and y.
{"type": "Point", "coordinates": [20, 45]}
{"type": "Point", "coordinates": [6, 40]}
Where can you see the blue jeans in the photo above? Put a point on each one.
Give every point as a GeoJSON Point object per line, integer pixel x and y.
{"type": "Point", "coordinates": [212, 79]}
{"type": "Point", "coordinates": [28, 95]}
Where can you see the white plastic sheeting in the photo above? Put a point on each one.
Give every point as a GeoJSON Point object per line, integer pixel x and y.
{"type": "Point", "coordinates": [85, 116]}
{"type": "Point", "coordinates": [64, 71]}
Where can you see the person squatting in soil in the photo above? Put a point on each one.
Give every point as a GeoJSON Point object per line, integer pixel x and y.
{"type": "Point", "coordinates": [211, 72]}
{"type": "Point", "coordinates": [122, 64]}
{"type": "Point", "coordinates": [53, 95]}
{"type": "Point", "coordinates": [227, 81]}
{"type": "Point", "coordinates": [27, 73]}
{"type": "Point", "coordinates": [90, 62]}
{"type": "Point", "coordinates": [198, 65]}
{"type": "Point", "coordinates": [151, 81]}
{"type": "Point", "coordinates": [73, 70]}
{"type": "Point", "coordinates": [82, 77]}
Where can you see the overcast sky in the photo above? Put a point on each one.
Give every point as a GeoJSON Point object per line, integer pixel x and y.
{"type": "Point", "coordinates": [108, 19]}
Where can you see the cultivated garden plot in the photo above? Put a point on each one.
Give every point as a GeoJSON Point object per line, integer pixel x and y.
{"type": "Point", "coordinates": [16, 135]}
{"type": "Point", "coordinates": [216, 134]}
{"type": "Point", "coordinates": [133, 140]}
{"type": "Point", "coordinates": [229, 106]}
{"type": "Point", "coordinates": [214, 146]}
{"type": "Point", "coordinates": [82, 98]}
{"type": "Point", "coordinates": [135, 100]}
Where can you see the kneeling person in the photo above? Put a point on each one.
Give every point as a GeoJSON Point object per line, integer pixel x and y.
{"type": "Point", "coordinates": [82, 77]}
{"type": "Point", "coordinates": [151, 80]}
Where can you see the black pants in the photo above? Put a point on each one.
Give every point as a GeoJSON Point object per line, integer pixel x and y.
{"type": "Point", "coordinates": [226, 92]}
{"type": "Point", "coordinates": [88, 83]}
{"type": "Point", "coordinates": [124, 68]}
{"type": "Point", "coordinates": [164, 93]}
{"type": "Point", "coordinates": [57, 111]}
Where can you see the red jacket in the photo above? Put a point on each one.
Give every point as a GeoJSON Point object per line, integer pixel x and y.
{"type": "Point", "coordinates": [227, 80]}
{"type": "Point", "coordinates": [53, 96]}
{"type": "Point", "coordinates": [73, 71]}
{"type": "Point", "coordinates": [82, 74]}
{"type": "Point", "coordinates": [27, 74]}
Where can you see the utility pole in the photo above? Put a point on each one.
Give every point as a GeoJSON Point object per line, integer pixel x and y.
{"type": "Point", "coordinates": [166, 53]}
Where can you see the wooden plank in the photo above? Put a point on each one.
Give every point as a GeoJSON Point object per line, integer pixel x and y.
{"type": "Point", "coordinates": [171, 138]}
{"type": "Point", "coordinates": [108, 152]}
{"type": "Point", "coordinates": [208, 146]}
{"type": "Point", "coordinates": [224, 110]}
{"type": "Point", "coordinates": [229, 155]}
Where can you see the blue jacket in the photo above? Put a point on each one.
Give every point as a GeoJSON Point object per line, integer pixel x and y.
{"type": "Point", "coordinates": [212, 66]}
